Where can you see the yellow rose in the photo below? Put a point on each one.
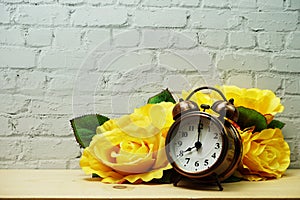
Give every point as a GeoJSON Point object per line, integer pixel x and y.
{"type": "Point", "coordinates": [130, 148]}
{"type": "Point", "coordinates": [263, 101]}
{"type": "Point", "coordinates": [265, 155]}
{"type": "Point", "coordinates": [199, 97]}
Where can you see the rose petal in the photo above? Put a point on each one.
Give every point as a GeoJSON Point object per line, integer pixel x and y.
{"type": "Point", "coordinates": [268, 156]}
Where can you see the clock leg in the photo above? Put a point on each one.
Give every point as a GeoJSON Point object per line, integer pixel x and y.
{"type": "Point", "coordinates": [176, 179]}
{"type": "Point", "coordinates": [218, 183]}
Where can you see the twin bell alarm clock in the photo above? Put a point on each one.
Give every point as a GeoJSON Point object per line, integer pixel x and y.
{"type": "Point", "coordinates": [204, 146]}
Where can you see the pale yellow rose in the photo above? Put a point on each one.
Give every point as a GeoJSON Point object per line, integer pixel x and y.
{"type": "Point", "coordinates": [130, 148]}
{"type": "Point", "coordinates": [266, 155]}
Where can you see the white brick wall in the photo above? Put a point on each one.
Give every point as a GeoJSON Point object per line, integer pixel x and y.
{"type": "Point", "coordinates": [60, 59]}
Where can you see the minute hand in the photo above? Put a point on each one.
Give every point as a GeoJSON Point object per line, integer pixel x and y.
{"type": "Point", "coordinates": [198, 143]}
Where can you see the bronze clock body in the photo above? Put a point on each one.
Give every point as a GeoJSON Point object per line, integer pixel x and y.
{"type": "Point", "coordinates": [202, 146]}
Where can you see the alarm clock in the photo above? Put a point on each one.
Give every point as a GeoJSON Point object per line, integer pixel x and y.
{"type": "Point", "coordinates": [202, 146]}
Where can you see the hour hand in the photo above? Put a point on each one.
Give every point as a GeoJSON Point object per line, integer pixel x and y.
{"type": "Point", "coordinates": [190, 149]}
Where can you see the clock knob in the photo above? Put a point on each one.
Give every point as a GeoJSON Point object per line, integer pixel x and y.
{"type": "Point", "coordinates": [226, 109]}
{"type": "Point", "coordinates": [183, 107]}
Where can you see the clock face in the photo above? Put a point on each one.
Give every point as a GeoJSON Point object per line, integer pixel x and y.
{"type": "Point", "coordinates": [195, 143]}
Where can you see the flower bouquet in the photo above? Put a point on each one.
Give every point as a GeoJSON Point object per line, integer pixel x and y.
{"type": "Point", "coordinates": [132, 148]}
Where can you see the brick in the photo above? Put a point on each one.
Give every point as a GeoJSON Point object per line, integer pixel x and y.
{"type": "Point", "coordinates": [43, 15]}
{"type": "Point", "coordinates": [160, 18]}
{"type": "Point", "coordinates": [40, 1]}
{"type": "Point", "coordinates": [20, 164]}
{"type": "Point", "coordinates": [213, 38]}
{"type": "Point", "coordinates": [99, 16]}
{"type": "Point", "coordinates": [244, 4]}
{"type": "Point", "coordinates": [56, 59]}
{"type": "Point", "coordinates": [292, 85]}
{"type": "Point", "coordinates": [29, 125]}
{"type": "Point", "coordinates": [124, 103]}
{"type": "Point", "coordinates": [240, 39]}
{"type": "Point", "coordinates": [184, 39]}
{"type": "Point", "coordinates": [52, 104]}
{"type": "Point", "coordinates": [131, 61]}
{"type": "Point", "coordinates": [157, 3]}
{"type": "Point", "coordinates": [11, 148]}
{"type": "Point", "coordinates": [292, 142]}
{"type": "Point", "coordinates": [8, 79]}
{"type": "Point", "coordinates": [57, 126]}
{"type": "Point", "coordinates": [71, 2]}
{"type": "Point", "coordinates": [17, 57]}
{"type": "Point", "coordinates": [186, 3]}
{"type": "Point", "coordinates": [6, 164]}
{"type": "Point", "coordinates": [31, 83]}
{"type": "Point", "coordinates": [13, 1]}
{"type": "Point", "coordinates": [62, 83]}
{"type": "Point", "coordinates": [14, 104]}
{"type": "Point", "coordinates": [52, 164]}
{"type": "Point", "coordinates": [294, 41]}
{"type": "Point", "coordinates": [67, 38]}
{"type": "Point", "coordinates": [197, 79]}
{"type": "Point", "coordinates": [53, 59]}
{"type": "Point", "coordinates": [56, 148]}
{"type": "Point", "coordinates": [87, 81]}
{"type": "Point", "coordinates": [286, 64]}
{"type": "Point", "coordinates": [99, 38]}
{"type": "Point", "coordinates": [5, 125]}
{"type": "Point", "coordinates": [215, 3]}
{"type": "Point", "coordinates": [43, 125]}
{"type": "Point", "coordinates": [270, 4]}
{"type": "Point", "coordinates": [186, 60]}
{"type": "Point", "coordinates": [87, 103]}
{"type": "Point", "coordinates": [291, 105]}
{"type": "Point", "coordinates": [294, 4]}
{"type": "Point", "coordinates": [4, 14]}
{"type": "Point", "coordinates": [100, 2]}
{"type": "Point", "coordinates": [130, 38]}
{"type": "Point", "coordinates": [155, 38]}
{"type": "Point", "coordinates": [129, 2]}
{"type": "Point", "coordinates": [39, 37]}
{"type": "Point", "coordinates": [247, 61]}
{"type": "Point", "coordinates": [213, 19]}
{"type": "Point", "coordinates": [272, 21]}
{"type": "Point", "coordinates": [73, 164]}
{"type": "Point", "coordinates": [270, 41]}
{"type": "Point", "coordinates": [240, 80]}
{"type": "Point", "coordinates": [11, 36]}
{"type": "Point", "coordinates": [177, 83]}
{"type": "Point", "coordinates": [291, 127]}
{"type": "Point", "coordinates": [270, 82]}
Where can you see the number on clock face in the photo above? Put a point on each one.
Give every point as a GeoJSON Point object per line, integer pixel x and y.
{"type": "Point", "coordinates": [196, 144]}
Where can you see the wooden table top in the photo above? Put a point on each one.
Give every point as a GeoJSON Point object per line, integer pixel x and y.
{"type": "Point", "coordinates": [74, 184]}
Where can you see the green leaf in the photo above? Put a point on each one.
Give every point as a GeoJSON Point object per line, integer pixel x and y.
{"type": "Point", "coordinates": [95, 175]}
{"type": "Point", "coordinates": [84, 127]}
{"type": "Point", "coordinates": [165, 95]}
{"type": "Point", "coordinates": [276, 124]}
{"type": "Point", "coordinates": [249, 117]}
{"type": "Point", "coordinates": [232, 179]}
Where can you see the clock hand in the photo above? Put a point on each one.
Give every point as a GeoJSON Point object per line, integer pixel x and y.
{"type": "Point", "coordinates": [198, 144]}
{"type": "Point", "coordinates": [189, 149]}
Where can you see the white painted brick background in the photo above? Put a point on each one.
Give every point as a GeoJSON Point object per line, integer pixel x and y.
{"type": "Point", "coordinates": [63, 58]}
